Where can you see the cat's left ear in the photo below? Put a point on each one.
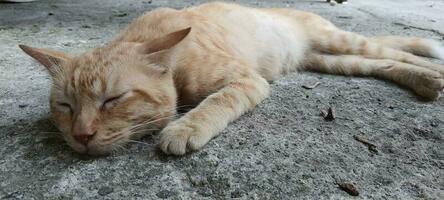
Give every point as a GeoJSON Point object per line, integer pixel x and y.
{"type": "Point", "coordinates": [48, 58]}
{"type": "Point", "coordinates": [165, 42]}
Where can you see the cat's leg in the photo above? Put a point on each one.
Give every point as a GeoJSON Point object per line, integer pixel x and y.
{"type": "Point", "coordinates": [211, 116]}
{"type": "Point", "coordinates": [335, 41]}
{"type": "Point", "coordinates": [425, 82]}
{"type": "Point", "coordinates": [414, 45]}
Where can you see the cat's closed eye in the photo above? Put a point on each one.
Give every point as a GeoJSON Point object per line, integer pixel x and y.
{"type": "Point", "coordinates": [65, 107]}
{"type": "Point", "coordinates": [113, 101]}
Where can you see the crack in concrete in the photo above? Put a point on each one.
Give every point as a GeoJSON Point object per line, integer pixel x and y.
{"type": "Point", "coordinates": [441, 34]}
{"type": "Point", "coordinates": [369, 13]}
{"type": "Point", "coordinates": [420, 28]}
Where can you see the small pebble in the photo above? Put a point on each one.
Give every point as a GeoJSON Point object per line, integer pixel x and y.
{"type": "Point", "coordinates": [105, 190]}
{"type": "Point", "coordinates": [121, 14]}
{"type": "Point", "coordinates": [434, 124]}
{"type": "Point", "coordinates": [68, 44]}
{"type": "Point", "coordinates": [164, 194]}
{"type": "Point", "coordinates": [344, 17]}
{"type": "Point", "coordinates": [236, 194]}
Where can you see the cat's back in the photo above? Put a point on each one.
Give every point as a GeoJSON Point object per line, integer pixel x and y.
{"type": "Point", "coordinates": [270, 39]}
{"type": "Point", "coordinates": [262, 38]}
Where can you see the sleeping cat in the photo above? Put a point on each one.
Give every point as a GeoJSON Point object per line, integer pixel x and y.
{"type": "Point", "coordinates": [219, 57]}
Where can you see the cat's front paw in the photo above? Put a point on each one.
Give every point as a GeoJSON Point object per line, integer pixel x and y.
{"type": "Point", "coordinates": [177, 139]}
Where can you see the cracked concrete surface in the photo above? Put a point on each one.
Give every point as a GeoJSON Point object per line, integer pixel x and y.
{"type": "Point", "coordinates": [281, 150]}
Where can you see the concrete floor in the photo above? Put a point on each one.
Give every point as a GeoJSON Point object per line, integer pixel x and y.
{"type": "Point", "coordinates": [281, 150]}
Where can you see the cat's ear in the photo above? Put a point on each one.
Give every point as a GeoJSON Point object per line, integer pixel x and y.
{"type": "Point", "coordinates": [48, 58]}
{"type": "Point", "coordinates": [165, 42]}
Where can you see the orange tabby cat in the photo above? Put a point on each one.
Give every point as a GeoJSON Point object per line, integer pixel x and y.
{"type": "Point", "coordinates": [219, 56]}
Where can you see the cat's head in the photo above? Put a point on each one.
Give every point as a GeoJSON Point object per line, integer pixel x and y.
{"type": "Point", "coordinates": [102, 99]}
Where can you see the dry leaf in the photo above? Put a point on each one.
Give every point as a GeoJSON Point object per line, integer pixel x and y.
{"type": "Point", "coordinates": [328, 114]}
{"type": "Point", "coordinates": [349, 188]}
{"type": "Point", "coordinates": [309, 87]}
{"type": "Point", "coordinates": [371, 147]}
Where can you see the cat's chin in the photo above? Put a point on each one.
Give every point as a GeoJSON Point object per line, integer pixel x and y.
{"type": "Point", "coordinates": [97, 150]}
{"type": "Point", "coordinates": [91, 150]}
{"type": "Point", "coordinates": [79, 148]}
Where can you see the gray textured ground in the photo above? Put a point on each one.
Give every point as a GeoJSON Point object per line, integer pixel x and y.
{"type": "Point", "coordinates": [281, 150]}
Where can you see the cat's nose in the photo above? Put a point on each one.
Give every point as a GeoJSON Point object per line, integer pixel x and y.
{"type": "Point", "coordinates": [84, 138]}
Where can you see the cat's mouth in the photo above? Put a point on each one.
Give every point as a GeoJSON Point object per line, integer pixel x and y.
{"type": "Point", "coordinates": [97, 146]}
{"type": "Point", "coordinates": [94, 150]}
{"type": "Point", "coordinates": [116, 139]}
{"type": "Point", "coordinates": [102, 147]}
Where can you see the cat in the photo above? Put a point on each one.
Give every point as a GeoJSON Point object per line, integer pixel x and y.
{"type": "Point", "coordinates": [219, 57]}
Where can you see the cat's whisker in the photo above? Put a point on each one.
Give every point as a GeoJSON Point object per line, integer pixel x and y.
{"type": "Point", "coordinates": [118, 147]}
{"type": "Point", "coordinates": [139, 142]}
{"type": "Point", "coordinates": [53, 134]}
{"type": "Point", "coordinates": [115, 136]}
{"type": "Point", "coordinates": [143, 130]}
{"type": "Point", "coordinates": [170, 110]}
{"type": "Point", "coordinates": [148, 122]}
{"type": "Point", "coordinates": [115, 150]}
{"type": "Point", "coordinates": [122, 147]}
{"type": "Point", "coordinates": [141, 133]}
{"type": "Point", "coordinates": [149, 119]}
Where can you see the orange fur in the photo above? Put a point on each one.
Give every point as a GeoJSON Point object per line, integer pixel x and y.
{"type": "Point", "coordinates": [115, 93]}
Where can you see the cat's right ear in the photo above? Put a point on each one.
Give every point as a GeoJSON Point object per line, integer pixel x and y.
{"type": "Point", "coordinates": [165, 42]}
{"type": "Point", "coordinates": [48, 58]}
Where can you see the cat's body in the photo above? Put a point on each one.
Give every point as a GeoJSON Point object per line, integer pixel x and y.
{"type": "Point", "coordinates": [268, 44]}
{"type": "Point", "coordinates": [104, 98]}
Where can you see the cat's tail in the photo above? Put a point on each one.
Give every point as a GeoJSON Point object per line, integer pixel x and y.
{"type": "Point", "coordinates": [339, 42]}
{"type": "Point", "coordinates": [414, 45]}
